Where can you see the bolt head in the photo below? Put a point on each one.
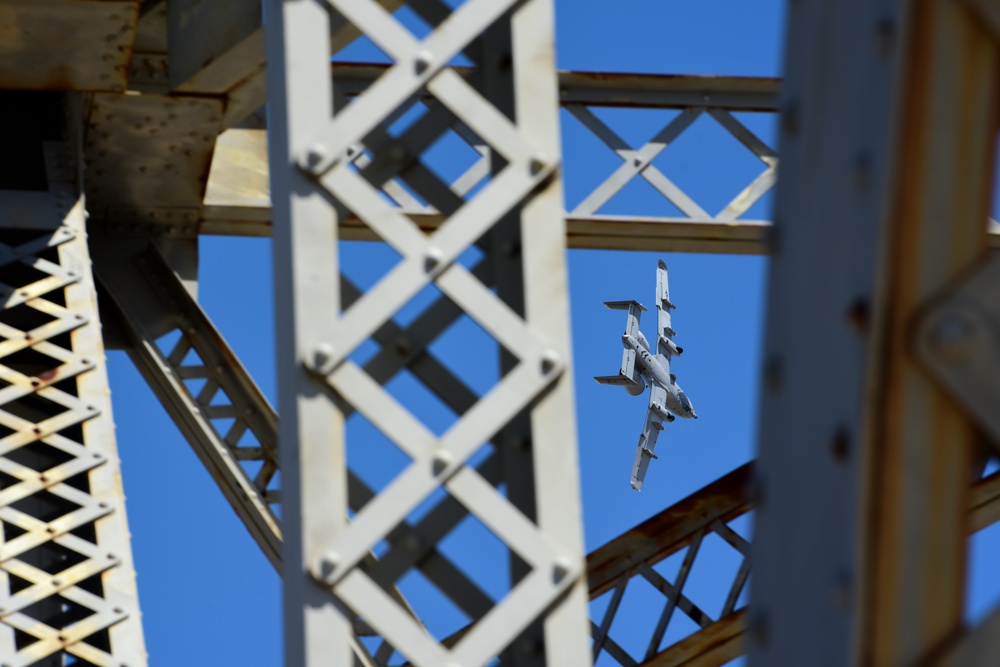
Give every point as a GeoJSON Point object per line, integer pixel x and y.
{"type": "Point", "coordinates": [422, 61]}
{"type": "Point", "coordinates": [321, 360]}
{"type": "Point", "coordinates": [432, 258]}
{"type": "Point", "coordinates": [561, 567]}
{"type": "Point", "coordinates": [550, 362]}
{"type": "Point", "coordinates": [326, 567]}
{"type": "Point", "coordinates": [537, 163]}
{"type": "Point", "coordinates": [440, 461]}
{"type": "Point", "coordinates": [315, 157]}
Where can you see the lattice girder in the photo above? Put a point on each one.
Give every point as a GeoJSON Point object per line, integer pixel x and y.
{"type": "Point", "coordinates": [66, 576]}
{"type": "Point", "coordinates": [352, 163]}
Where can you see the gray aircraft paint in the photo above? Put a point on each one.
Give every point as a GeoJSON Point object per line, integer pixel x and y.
{"type": "Point", "coordinates": [641, 368]}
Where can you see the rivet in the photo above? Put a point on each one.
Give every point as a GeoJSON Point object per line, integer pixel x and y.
{"type": "Point", "coordinates": [422, 61]}
{"type": "Point", "coordinates": [885, 34]}
{"type": "Point", "coordinates": [403, 346]}
{"type": "Point", "coordinates": [327, 566]}
{"type": "Point", "coordinates": [840, 445]}
{"type": "Point", "coordinates": [440, 461]}
{"type": "Point", "coordinates": [315, 157]}
{"type": "Point", "coordinates": [537, 163]}
{"type": "Point", "coordinates": [561, 567]}
{"type": "Point", "coordinates": [433, 256]}
{"type": "Point", "coordinates": [858, 314]}
{"type": "Point", "coordinates": [549, 362]}
{"type": "Point", "coordinates": [322, 358]}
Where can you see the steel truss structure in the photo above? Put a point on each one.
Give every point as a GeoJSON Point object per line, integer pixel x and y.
{"type": "Point", "coordinates": [160, 104]}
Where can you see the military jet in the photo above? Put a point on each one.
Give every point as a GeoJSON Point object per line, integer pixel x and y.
{"type": "Point", "coordinates": [640, 368]}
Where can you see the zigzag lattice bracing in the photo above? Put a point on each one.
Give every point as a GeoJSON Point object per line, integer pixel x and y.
{"type": "Point", "coordinates": [67, 589]}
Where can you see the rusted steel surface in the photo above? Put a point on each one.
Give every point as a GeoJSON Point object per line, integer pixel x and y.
{"type": "Point", "coordinates": [672, 529]}
{"type": "Point", "coordinates": [741, 93]}
{"type": "Point", "coordinates": [669, 531]}
{"type": "Point", "coordinates": [712, 646]}
{"type": "Point", "coordinates": [67, 44]}
{"type": "Point", "coordinates": [916, 558]}
{"type": "Point", "coordinates": [621, 89]}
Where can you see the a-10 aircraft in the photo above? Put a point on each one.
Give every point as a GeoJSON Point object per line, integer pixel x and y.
{"type": "Point", "coordinates": [641, 368]}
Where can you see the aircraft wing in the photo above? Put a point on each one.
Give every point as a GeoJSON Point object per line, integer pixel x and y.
{"type": "Point", "coordinates": [664, 333]}
{"type": "Point", "coordinates": [655, 416]}
{"type": "Point", "coordinates": [634, 309]}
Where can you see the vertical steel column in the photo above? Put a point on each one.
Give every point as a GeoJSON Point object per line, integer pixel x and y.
{"type": "Point", "coordinates": [67, 583]}
{"type": "Point", "coordinates": [888, 132]}
{"type": "Point", "coordinates": [316, 177]}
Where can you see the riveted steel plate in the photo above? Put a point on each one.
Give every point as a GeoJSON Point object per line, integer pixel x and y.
{"type": "Point", "coordinates": [149, 150]}
{"type": "Point", "coordinates": [66, 44]}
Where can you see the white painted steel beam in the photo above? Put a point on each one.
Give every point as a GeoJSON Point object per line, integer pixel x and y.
{"type": "Point", "coordinates": [319, 383]}
{"type": "Point", "coordinates": [67, 581]}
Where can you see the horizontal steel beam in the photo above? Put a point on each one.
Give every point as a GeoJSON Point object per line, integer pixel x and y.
{"type": "Point", "coordinates": [237, 201]}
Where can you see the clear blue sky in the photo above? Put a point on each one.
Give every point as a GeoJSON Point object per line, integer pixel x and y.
{"type": "Point", "coordinates": [210, 598]}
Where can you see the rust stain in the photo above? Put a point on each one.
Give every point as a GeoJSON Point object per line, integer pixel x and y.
{"type": "Point", "coordinates": [670, 530]}
{"type": "Point", "coordinates": [47, 377]}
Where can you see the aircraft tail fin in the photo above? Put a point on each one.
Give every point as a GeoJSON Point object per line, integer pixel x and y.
{"type": "Point", "coordinates": [617, 380]}
{"type": "Point", "coordinates": [624, 305]}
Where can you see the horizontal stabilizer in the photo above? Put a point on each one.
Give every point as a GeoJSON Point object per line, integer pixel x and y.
{"type": "Point", "coordinates": [624, 305]}
{"type": "Point", "coordinates": [619, 380]}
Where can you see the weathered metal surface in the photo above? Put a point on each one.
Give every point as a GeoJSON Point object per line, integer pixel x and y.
{"type": "Point", "coordinates": [715, 645]}
{"type": "Point", "coordinates": [958, 340]}
{"type": "Point", "coordinates": [670, 530]}
{"type": "Point", "coordinates": [238, 190]}
{"type": "Point", "coordinates": [214, 44]}
{"type": "Point", "coordinates": [614, 564]}
{"type": "Point", "coordinates": [66, 44]}
{"type": "Point", "coordinates": [147, 151]}
{"type": "Point", "coordinates": [920, 464]}
{"type": "Point", "coordinates": [662, 91]}
{"type": "Point", "coordinates": [881, 203]}
{"type": "Point", "coordinates": [65, 538]}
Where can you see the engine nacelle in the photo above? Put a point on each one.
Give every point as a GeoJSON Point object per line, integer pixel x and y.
{"type": "Point", "coordinates": [671, 347]}
{"type": "Point", "coordinates": [639, 386]}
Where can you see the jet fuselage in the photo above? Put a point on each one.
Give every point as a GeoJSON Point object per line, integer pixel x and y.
{"type": "Point", "coordinates": [652, 371]}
